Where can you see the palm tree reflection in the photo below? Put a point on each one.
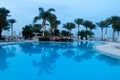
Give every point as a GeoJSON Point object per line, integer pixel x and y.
{"type": "Point", "coordinates": [69, 53]}
{"type": "Point", "coordinates": [31, 48]}
{"type": "Point", "coordinates": [3, 59]}
{"type": "Point", "coordinates": [50, 52]}
{"type": "Point", "coordinates": [11, 51]}
{"type": "Point", "coordinates": [68, 50]}
{"type": "Point", "coordinates": [5, 53]}
{"type": "Point", "coordinates": [47, 62]}
{"type": "Point", "coordinates": [84, 51]}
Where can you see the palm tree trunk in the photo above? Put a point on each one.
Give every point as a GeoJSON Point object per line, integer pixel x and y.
{"type": "Point", "coordinates": [118, 33]}
{"type": "Point", "coordinates": [102, 34]}
{"type": "Point", "coordinates": [86, 34]}
{"type": "Point", "coordinates": [91, 30]}
{"type": "Point", "coordinates": [69, 32]}
{"type": "Point", "coordinates": [0, 32]}
{"type": "Point", "coordinates": [44, 27]}
{"type": "Point", "coordinates": [54, 30]}
{"type": "Point", "coordinates": [91, 36]}
{"type": "Point", "coordinates": [113, 35]}
{"type": "Point", "coordinates": [12, 30]}
{"type": "Point", "coordinates": [78, 28]}
{"type": "Point", "coordinates": [78, 31]}
{"type": "Point", "coordinates": [86, 28]}
{"type": "Point", "coordinates": [106, 31]}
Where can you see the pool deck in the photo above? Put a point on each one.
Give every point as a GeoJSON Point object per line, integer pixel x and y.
{"type": "Point", "coordinates": [111, 49]}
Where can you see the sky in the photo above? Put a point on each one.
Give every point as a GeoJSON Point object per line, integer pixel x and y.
{"type": "Point", "coordinates": [66, 10]}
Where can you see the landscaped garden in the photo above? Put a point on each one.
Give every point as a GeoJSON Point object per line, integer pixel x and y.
{"type": "Point", "coordinates": [47, 25]}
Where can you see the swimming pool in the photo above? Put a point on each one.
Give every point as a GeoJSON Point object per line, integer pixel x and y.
{"type": "Point", "coordinates": [56, 61]}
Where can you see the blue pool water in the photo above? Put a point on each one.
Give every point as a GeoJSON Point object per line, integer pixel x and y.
{"type": "Point", "coordinates": [56, 61]}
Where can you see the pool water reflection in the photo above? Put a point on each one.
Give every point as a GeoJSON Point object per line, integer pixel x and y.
{"type": "Point", "coordinates": [56, 61]}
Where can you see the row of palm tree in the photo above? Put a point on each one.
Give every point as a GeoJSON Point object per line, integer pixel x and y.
{"type": "Point", "coordinates": [48, 16]}
{"type": "Point", "coordinates": [114, 22]}
{"type": "Point", "coordinates": [87, 24]}
{"type": "Point", "coordinates": [52, 19]}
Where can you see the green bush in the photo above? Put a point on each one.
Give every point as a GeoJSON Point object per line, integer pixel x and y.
{"type": "Point", "coordinates": [44, 39]}
{"type": "Point", "coordinates": [2, 38]}
{"type": "Point", "coordinates": [66, 40]}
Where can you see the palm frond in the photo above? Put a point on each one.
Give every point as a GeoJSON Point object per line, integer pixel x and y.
{"type": "Point", "coordinates": [41, 9]}
{"type": "Point", "coordinates": [36, 18]}
{"type": "Point", "coordinates": [50, 10]}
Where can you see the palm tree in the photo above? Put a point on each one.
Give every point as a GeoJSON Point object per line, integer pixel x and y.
{"type": "Point", "coordinates": [64, 33]}
{"type": "Point", "coordinates": [37, 28]}
{"type": "Point", "coordinates": [107, 25]}
{"type": "Point", "coordinates": [87, 24]}
{"type": "Point", "coordinates": [118, 27]}
{"type": "Point", "coordinates": [27, 31]}
{"type": "Point", "coordinates": [69, 26]}
{"type": "Point", "coordinates": [113, 20]}
{"type": "Point", "coordinates": [51, 19]}
{"type": "Point", "coordinates": [92, 26]}
{"type": "Point", "coordinates": [102, 25]}
{"type": "Point", "coordinates": [53, 23]}
{"type": "Point", "coordinates": [44, 16]}
{"type": "Point", "coordinates": [90, 33]}
{"type": "Point", "coordinates": [56, 23]}
{"type": "Point", "coordinates": [12, 21]}
{"type": "Point", "coordinates": [81, 34]}
{"type": "Point", "coordinates": [3, 19]}
{"type": "Point", "coordinates": [78, 21]}
{"type": "Point", "coordinates": [85, 33]}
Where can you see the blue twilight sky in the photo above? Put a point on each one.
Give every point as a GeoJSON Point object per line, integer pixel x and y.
{"type": "Point", "coordinates": [66, 10]}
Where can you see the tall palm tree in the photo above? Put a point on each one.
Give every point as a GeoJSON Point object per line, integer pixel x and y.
{"type": "Point", "coordinates": [81, 34]}
{"type": "Point", "coordinates": [51, 19]}
{"type": "Point", "coordinates": [12, 21]}
{"type": "Point", "coordinates": [118, 27]}
{"type": "Point", "coordinates": [87, 24]}
{"type": "Point", "coordinates": [92, 26]}
{"type": "Point", "coordinates": [102, 25]}
{"type": "Point", "coordinates": [56, 23]}
{"type": "Point", "coordinates": [107, 23]}
{"type": "Point", "coordinates": [44, 16]}
{"type": "Point", "coordinates": [3, 19]}
{"type": "Point", "coordinates": [69, 26]}
{"type": "Point", "coordinates": [78, 21]}
{"type": "Point", "coordinates": [90, 33]}
{"type": "Point", "coordinates": [113, 20]}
